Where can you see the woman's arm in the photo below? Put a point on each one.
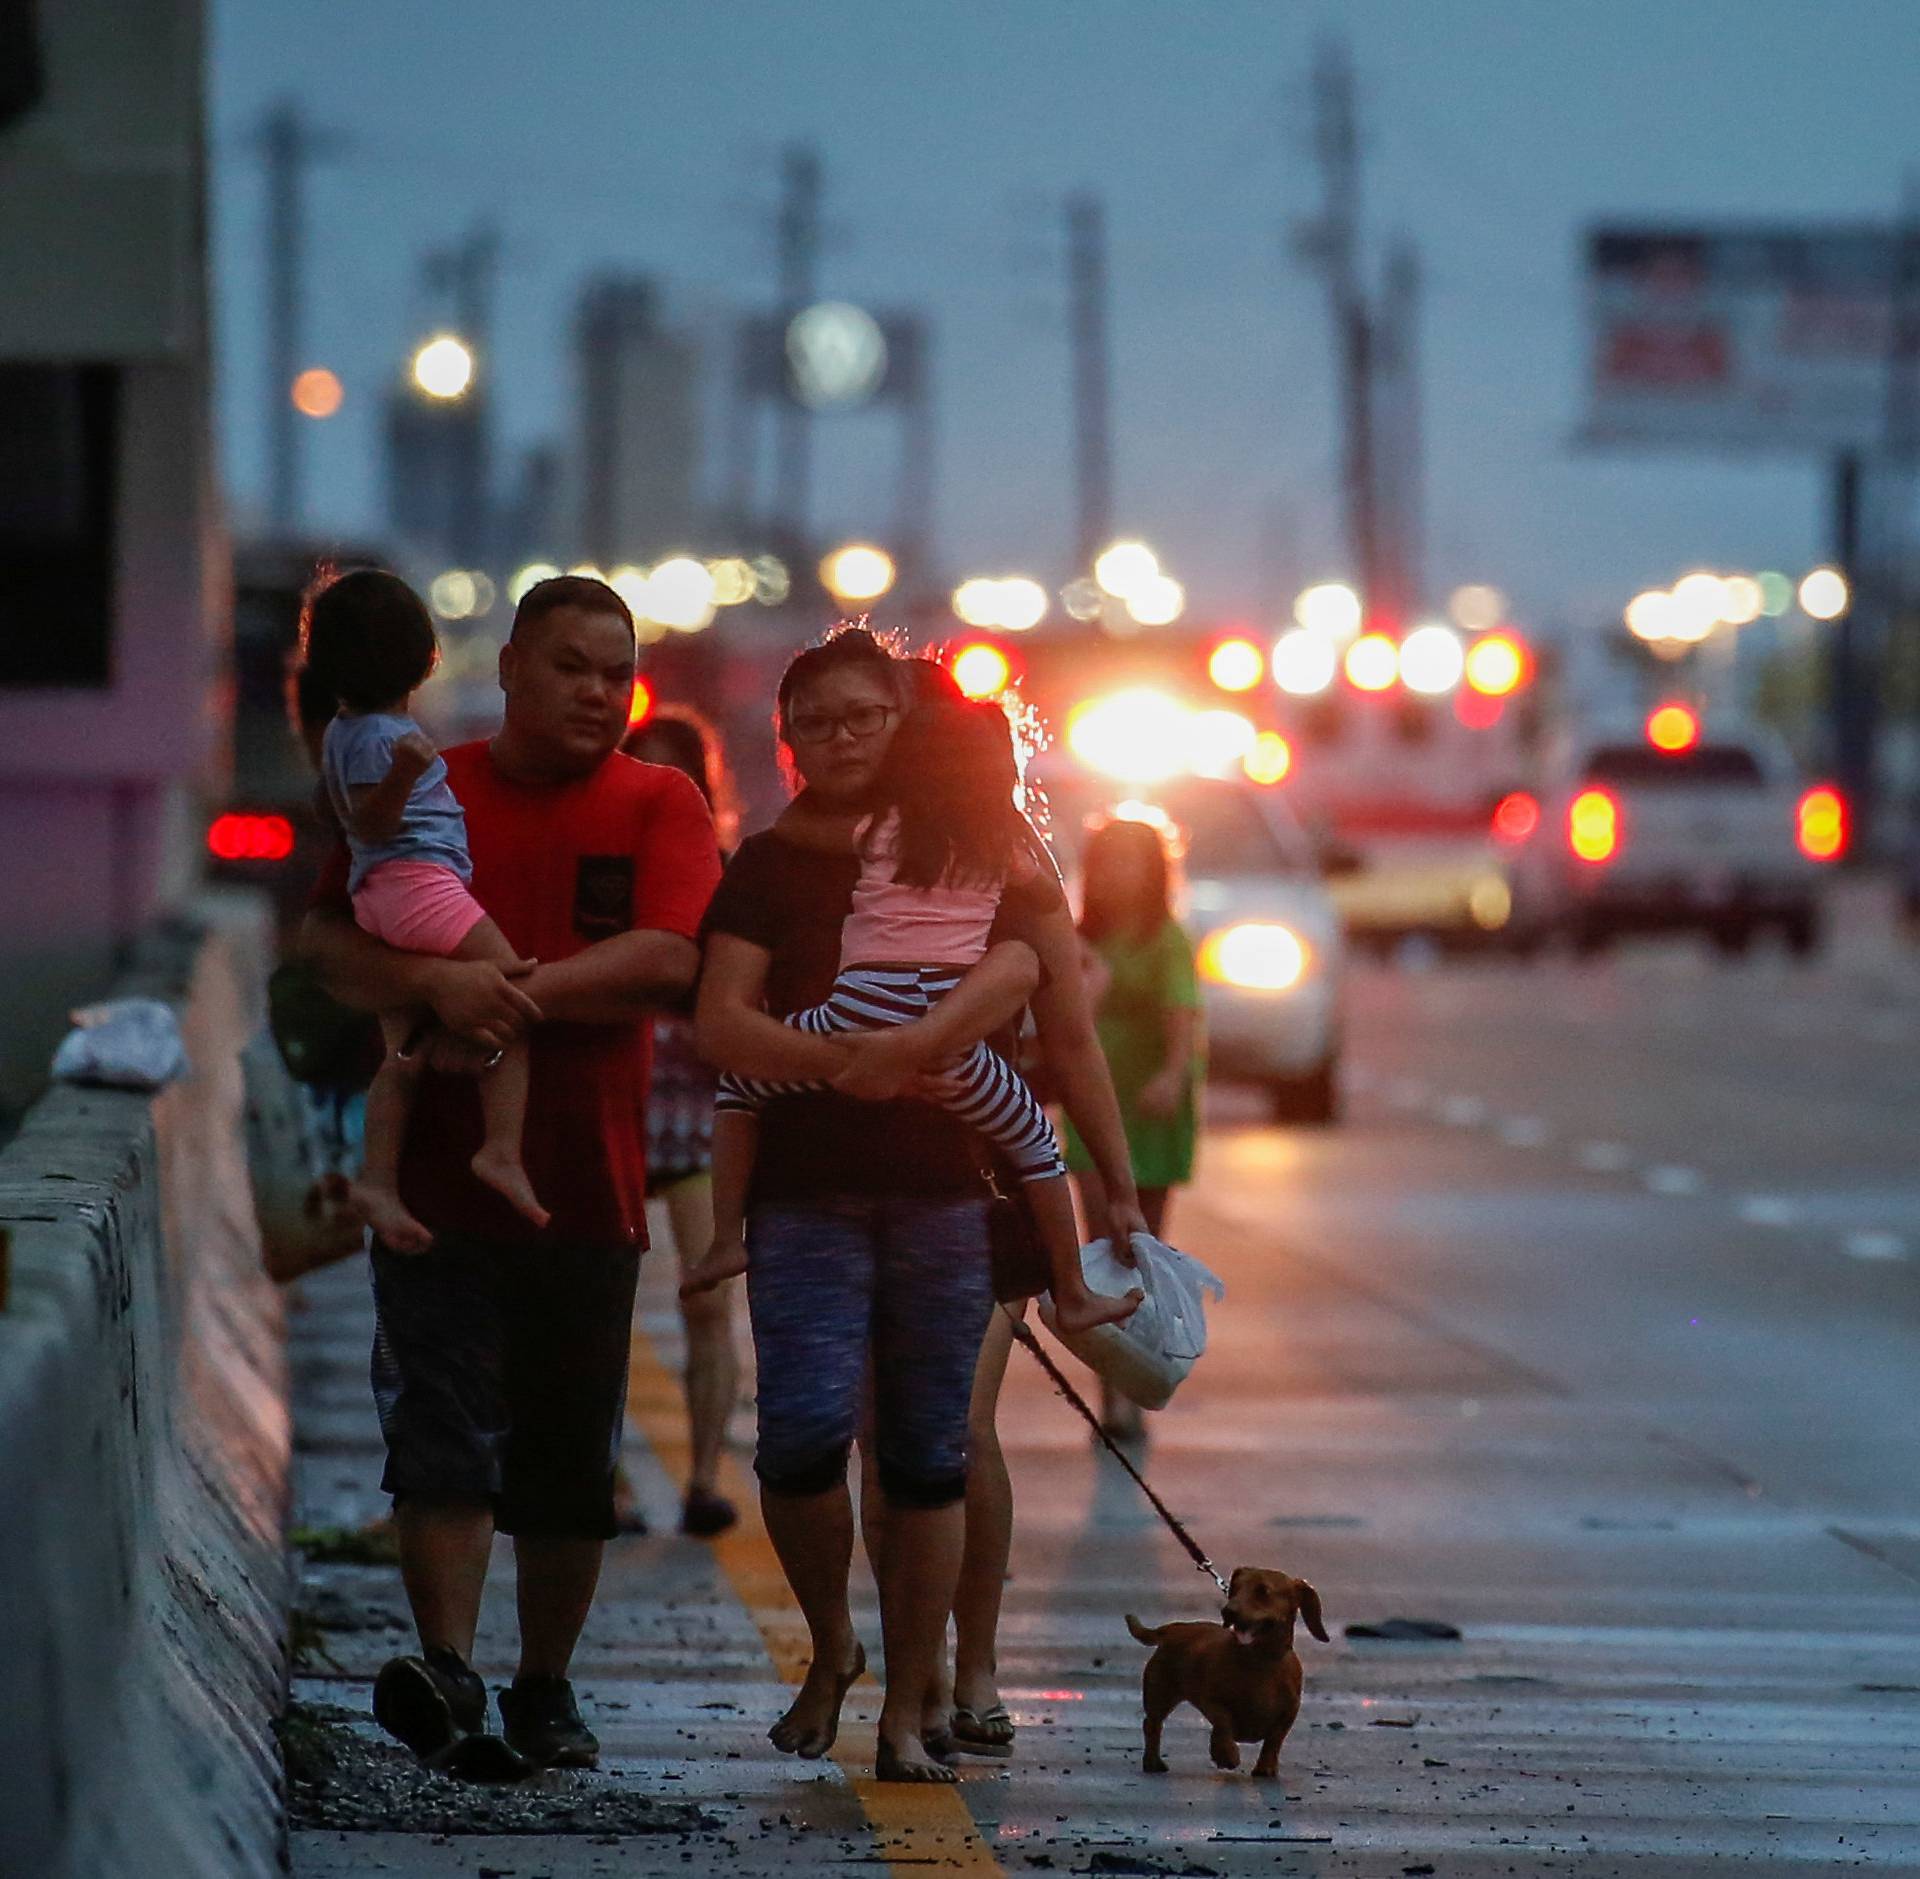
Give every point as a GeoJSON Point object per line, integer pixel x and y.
{"type": "Point", "coordinates": [882, 1064]}
{"type": "Point", "coordinates": [735, 1034]}
{"type": "Point", "coordinates": [1072, 1047]}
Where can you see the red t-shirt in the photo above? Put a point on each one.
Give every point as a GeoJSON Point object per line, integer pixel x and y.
{"type": "Point", "coordinates": [629, 848]}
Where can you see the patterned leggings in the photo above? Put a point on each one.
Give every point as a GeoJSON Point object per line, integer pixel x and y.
{"type": "Point", "coordinates": [981, 1087]}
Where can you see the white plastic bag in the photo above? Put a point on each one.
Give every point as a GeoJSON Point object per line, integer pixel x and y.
{"type": "Point", "coordinates": [127, 1044]}
{"type": "Point", "coordinates": [1145, 1357]}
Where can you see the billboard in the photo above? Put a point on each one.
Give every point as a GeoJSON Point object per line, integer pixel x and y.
{"type": "Point", "coordinates": [1756, 337]}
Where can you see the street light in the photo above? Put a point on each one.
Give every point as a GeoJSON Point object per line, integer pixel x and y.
{"type": "Point", "coordinates": [1304, 662]}
{"type": "Point", "coordinates": [317, 392]}
{"type": "Point", "coordinates": [858, 571]}
{"type": "Point", "coordinates": [1373, 663]}
{"type": "Point", "coordinates": [1824, 594]}
{"type": "Point", "coordinates": [1235, 665]}
{"type": "Point", "coordinates": [1432, 660]}
{"type": "Point", "coordinates": [1158, 601]}
{"type": "Point", "coordinates": [443, 367]}
{"type": "Point", "coordinates": [1125, 568]}
{"type": "Point", "coordinates": [1332, 608]}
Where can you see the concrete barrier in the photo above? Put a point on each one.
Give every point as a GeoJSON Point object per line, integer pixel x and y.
{"type": "Point", "coordinates": [143, 1459]}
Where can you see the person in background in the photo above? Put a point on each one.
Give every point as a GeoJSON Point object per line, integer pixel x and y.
{"type": "Point", "coordinates": [679, 1154]}
{"type": "Point", "coordinates": [1148, 1017]}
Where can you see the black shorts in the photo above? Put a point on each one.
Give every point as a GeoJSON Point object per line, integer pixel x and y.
{"type": "Point", "coordinates": [500, 1375]}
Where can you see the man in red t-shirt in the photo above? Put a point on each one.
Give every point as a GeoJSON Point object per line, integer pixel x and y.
{"type": "Point", "coordinates": [500, 1355]}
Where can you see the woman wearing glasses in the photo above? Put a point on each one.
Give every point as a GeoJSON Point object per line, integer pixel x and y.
{"type": "Point", "coordinates": [867, 1217]}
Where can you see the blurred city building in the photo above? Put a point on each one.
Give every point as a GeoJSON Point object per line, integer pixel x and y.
{"type": "Point", "coordinates": [113, 585]}
{"type": "Point", "coordinates": [637, 444]}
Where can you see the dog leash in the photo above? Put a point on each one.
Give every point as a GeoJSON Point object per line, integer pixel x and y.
{"type": "Point", "coordinates": [1024, 1333]}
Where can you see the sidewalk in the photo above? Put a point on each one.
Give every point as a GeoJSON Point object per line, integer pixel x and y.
{"type": "Point", "coordinates": [1660, 1673]}
{"type": "Point", "coordinates": [683, 1667]}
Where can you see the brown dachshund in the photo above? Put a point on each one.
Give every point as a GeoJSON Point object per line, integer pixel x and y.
{"type": "Point", "coordinates": [1242, 1674]}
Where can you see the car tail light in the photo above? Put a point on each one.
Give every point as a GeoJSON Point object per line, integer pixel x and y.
{"type": "Point", "coordinates": [1820, 824]}
{"type": "Point", "coordinates": [981, 669]}
{"type": "Point", "coordinates": [1593, 826]}
{"type": "Point", "coordinates": [235, 837]}
{"type": "Point", "coordinates": [1673, 729]}
{"type": "Point", "coordinates": [1515, 818]}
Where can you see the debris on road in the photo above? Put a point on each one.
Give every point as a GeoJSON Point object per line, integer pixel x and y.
{"type": "Point", "coordinates": [377, 1545]}
{"type": "Point", "coordinates": [341, 1779]}
{"type": "Point", "coordinates": [1407, 1631]}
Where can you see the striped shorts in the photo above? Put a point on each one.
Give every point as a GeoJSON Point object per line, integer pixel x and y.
{"type": "Point", "coordinates": [981, 1087]}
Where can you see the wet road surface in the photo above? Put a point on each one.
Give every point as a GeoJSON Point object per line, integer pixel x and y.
{"type": "Point", "coordinates": [1593, 1331]}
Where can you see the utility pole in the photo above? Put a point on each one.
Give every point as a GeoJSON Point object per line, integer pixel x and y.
{"type": "Point", "coordinates": [287, 144]}
{"type": "Point", "coordinates": [1400, 522]}
{"type": "Point", "coordinates": [1093, 448]}
{"type": "Point", "coordinates": [799, 241]}
{"type": "Point", "coordinates": [1333, 245]}
{"type": "Point", "coordinates": [1871, 545]}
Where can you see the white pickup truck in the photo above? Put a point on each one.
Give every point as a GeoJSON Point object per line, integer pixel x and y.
{"type": "Point", "coordinates": [1681, 824]}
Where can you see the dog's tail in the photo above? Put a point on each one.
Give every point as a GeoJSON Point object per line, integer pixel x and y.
{"type": "Point", "coordinates": [1147, 1634]}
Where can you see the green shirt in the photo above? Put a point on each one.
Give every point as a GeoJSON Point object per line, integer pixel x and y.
{"type": "Point", "coordinates": [1149, 978]}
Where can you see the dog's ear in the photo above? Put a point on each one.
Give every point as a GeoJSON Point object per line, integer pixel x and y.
{"type": "Point", "coordinates": [1309, 1603]}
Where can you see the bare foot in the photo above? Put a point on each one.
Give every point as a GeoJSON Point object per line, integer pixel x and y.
{"type": "Point", "coordinates": [812, 1722]}
{"type": "Point", "coordinates": [1084, 1309]}
{"type": "Point", "coordinates": [393, 1226]}
{"type": "Point", "coordinates": [906, 1759]}
{"type": "Point", "coordinates": [503, 1173]}
{"type": "Point", "coordinates": [725, 1259]}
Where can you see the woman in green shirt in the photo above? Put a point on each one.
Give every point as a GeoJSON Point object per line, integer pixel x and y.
{"type": "Point", "coordinates": [1148, 1017]}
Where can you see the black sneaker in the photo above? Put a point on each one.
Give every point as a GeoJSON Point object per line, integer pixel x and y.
{"type": "Point", "coordinates": [542, 1721]}
{"type": "Point", "coordinates": [429, 1702]}
{"type": "Point", "coordinates": [461, 1685]}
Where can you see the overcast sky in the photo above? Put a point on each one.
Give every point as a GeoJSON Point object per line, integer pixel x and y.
{"type": "Point", "coordinates": [645, 134]}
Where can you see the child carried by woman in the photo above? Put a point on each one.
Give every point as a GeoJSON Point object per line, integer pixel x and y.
{"type": "Point", "coordinates": [942, 843]}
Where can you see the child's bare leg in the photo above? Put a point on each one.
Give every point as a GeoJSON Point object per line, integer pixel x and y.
{"type": "Point", "coordinates": [503, 1095]}
{"type": "Point", "coordinates": [389, 1103]}
{"type": "Point", "coordinates": [736, 1133]}
{"type": "Point", "coordinates": [1076, 1307]}
{"type": "Point", "coordinates": [503, 1103]}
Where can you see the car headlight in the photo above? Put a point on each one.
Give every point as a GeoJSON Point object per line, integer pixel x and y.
{"type": "Point", "coordinates": [1255, 956]}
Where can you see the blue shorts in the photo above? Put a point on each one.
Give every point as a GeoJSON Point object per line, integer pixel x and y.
{"type": "Point", "coordinates": [906, 1281]}
{"type": "Point", "coordinates": [500, 1375]}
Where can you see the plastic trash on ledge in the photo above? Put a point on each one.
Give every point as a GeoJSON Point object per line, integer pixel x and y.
{"type": "Point", "coordinates": [1148, 1356]}
{"type": "Point", "coordinates": [125, 1044]}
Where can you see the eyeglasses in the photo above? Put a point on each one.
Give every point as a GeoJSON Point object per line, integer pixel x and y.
{"type": "Point", "coordinates": [818, 727]}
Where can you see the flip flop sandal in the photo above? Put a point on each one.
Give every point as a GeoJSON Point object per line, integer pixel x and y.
{"type": "Point", "coordinates": [938, 1743]}
{"type": "Point", "coordinates": [887, 1766]}
{"type": "Point", "coordinates": [983, 1732]}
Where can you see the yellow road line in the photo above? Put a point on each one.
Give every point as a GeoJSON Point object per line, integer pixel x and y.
{"type": "Point", "coordinates": [910, 1825]}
